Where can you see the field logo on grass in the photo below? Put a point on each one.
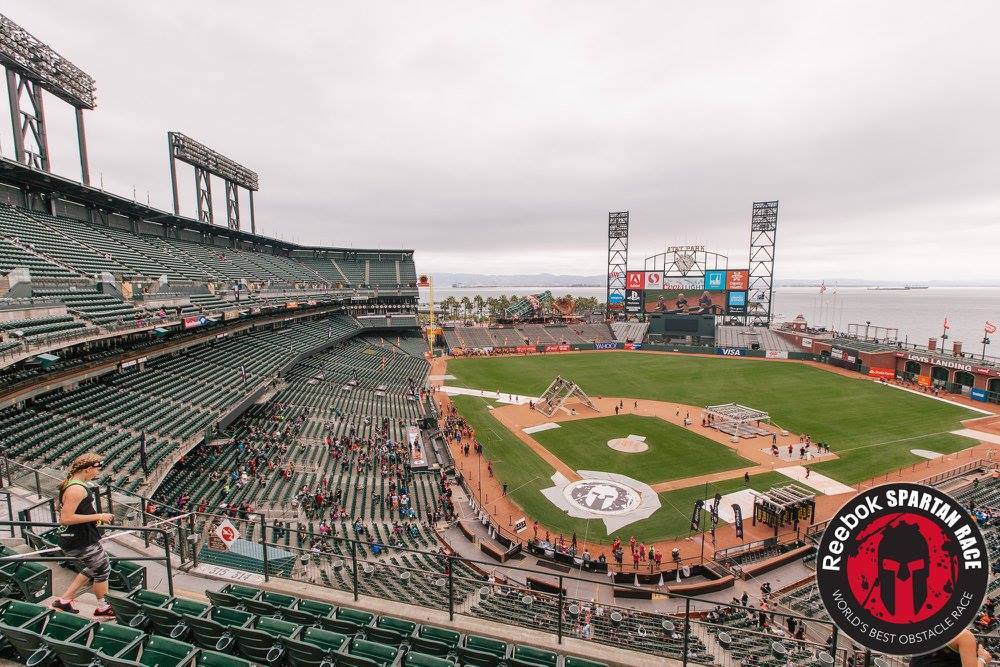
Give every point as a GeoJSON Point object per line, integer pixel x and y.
{"type": "Point", "coordinates": [902, 569]}
{"type": "Point", "coordinates": [602, 496]}
{"type": "Point", "coordinates": [615, 499]}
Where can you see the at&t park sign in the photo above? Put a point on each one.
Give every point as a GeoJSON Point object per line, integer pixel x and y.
{"type": "Point", "coordinates": [948, 363]}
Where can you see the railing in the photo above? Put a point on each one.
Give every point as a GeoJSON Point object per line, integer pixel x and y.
{"type": "Point", "coordinates": [933, 479]}
{"type": "Point", "coordinates": [61, 558]}
{"type": "Point", "coordinates": [562, 604]}
{"type": "Point", "coordinates": [7, 509]}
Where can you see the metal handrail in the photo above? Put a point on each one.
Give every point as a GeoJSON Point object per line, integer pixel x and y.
{"type": "Point", "coordinates": [165, 558]}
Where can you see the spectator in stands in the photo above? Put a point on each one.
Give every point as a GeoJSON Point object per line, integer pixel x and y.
{"type": "Point", "coordinates": [80, 538]}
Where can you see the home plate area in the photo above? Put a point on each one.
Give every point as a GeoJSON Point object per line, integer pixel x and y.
{"type": "Point", "coordinates": [633, 444]}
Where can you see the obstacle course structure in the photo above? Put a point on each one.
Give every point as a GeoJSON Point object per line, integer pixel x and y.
{"type": "Point", "coordinates": [560, 391]}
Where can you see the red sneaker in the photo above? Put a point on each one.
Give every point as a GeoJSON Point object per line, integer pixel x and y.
{"type": "Point", "coordinates": [107, 612]}
{"type": "Point", "coordinates": [65, 606]}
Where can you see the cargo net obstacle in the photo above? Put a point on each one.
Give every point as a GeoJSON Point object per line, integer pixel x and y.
{"type": "Point", "coordinates": [560, 392]}
{"type": "Point", "coordinates": [737, 420]}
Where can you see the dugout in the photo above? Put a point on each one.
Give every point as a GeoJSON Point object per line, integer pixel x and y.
{"type": "Point", "coordinates": [784, 506]}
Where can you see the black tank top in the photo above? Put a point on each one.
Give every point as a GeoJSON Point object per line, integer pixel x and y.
{"type": "Point", "coordinates": [81, 535]}
{"type": "Point", "coordinates": [943, 657]}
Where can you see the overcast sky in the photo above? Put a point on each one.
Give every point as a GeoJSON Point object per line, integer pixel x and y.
{"type": "Point", "coordinates": [495, 137]}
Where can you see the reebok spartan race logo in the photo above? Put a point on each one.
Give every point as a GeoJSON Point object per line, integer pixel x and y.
{"type": "Point", "coordinates": [902, 569]}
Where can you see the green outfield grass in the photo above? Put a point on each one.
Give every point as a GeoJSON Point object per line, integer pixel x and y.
{"type": "Point", "coordinates": [674, 452]}
{"type": "Point", "coordinates": [527, 474]}
{"type": "Point", "coordinates": [871, 427]}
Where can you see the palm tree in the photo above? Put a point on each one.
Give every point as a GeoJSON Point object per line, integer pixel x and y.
{"type": "Point", "coordinates": [466, 305]}
{"type": "Point", "coordinates": [479, 302]}
{"type": "Point", "coordinates": [448, 305]}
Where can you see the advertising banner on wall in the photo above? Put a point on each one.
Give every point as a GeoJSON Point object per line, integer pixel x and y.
{"type": "Point", "coordinates": [738, 281]}
{"type": "Point", "coordinates": [196, 321]}
{"type": "Point", "coordinates": [689, 283]}
{"type": "Point", "coordinates": [924, 380]}
{"type": "Point", "coordinates": [807, 343]}
{"type": "Point", "coordinates": [633, 301]}
{"type": "Point", "coordinates": [730, 351]}
{"type": "Point", "coordinates": [684, 302]}
{"type": "Point", "coordinates": [525, 349]}
{"type": "Point", "coordinates": [559, 347]}
{"type": "Point", "coordinates": [606, 346]}
{"type": "Point", "coordinates": [653, 280]}
{"type": "Point", "coordinates": [736, 303]}
{"type": "Point", "coordinates": [776, 354]}
{"type": "Point", "coordinates": [635, 280]}
{"type": "Point", "coordinates": [882, 373]}
{"type": "Point", "coordinates": [978, 395]}
{"type": "Point", "coordinates": [715, 281]}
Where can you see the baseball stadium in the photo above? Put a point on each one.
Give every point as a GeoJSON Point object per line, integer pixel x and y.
{"type": "Point", "coordinates": [297, 463]}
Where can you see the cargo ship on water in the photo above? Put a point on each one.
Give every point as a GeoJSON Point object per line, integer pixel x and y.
{"type": "Point", "coordinates": [901, 289]}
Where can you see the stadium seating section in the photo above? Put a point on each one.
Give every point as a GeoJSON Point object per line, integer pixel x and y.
{"type": "Point", "coordinates": [527, 334]}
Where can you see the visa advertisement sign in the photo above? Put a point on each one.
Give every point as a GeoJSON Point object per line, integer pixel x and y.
{"type": "Point", "coordinates": [730, 351]}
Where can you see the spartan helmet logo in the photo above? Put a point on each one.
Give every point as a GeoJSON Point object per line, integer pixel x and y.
{"type": "Point", "coordinates": [601, 497]}
{"type": "Point", "coordinates": [902, 568]}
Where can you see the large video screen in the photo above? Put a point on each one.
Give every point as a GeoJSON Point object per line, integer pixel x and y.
{"type": "Point", "coordinates": [684, 302]}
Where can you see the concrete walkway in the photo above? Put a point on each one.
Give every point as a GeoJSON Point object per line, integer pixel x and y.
{"type": "Point", "coordinates": [979, 435]}
{"type": "Point", "coordinates": [513, 399]}
{"type": "Point", "coordinates": [825, 485]}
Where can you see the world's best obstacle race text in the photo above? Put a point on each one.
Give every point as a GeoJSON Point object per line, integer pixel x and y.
{"type": "Point", "coordinates": [972, 558]}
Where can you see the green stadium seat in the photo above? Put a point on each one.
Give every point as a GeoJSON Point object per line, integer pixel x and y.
{"type": "Point", "coordinates": [314, 608]}
{"type": "Point", "coordinates": [31, 582]}
{"type": "Point", "coordinates": [528, 656]}
{"type": "Point", "coordinates": [434, 640]}
{"type": "Point", "coordinates": [17, 614]}
{"type": "Point", "coordinates": [224, 599]}
{"type": "Point", "coordinates": [207, 658]}
{"type": "Point", "coordinates": [570, 661]}
{"type": "Point", "coordinates": [29, 639]}
{"type": "Point", "coordinates": [128, 610]}
{"type": "Point", "coordinates": [73, 655]}
{"type": "Point", "coordinates": [156, 652]}
{"type": "Point", "coordinates": [358, 618]}
{"type": "Point", "coordinates": [416, 659]}
{"type": "Point", "coordinates": [245, 592]}
{"type": "Point", "coordinates": [214, 631]}
{"type": "Point", "coordinates": [110, 639]}
{"type": "Point", "coordinates": [371, 653]}
{"type": "Point", "coordinates": [314, 648]}
{"type": "Point", "coordinates": [482, 651]}
{"type": "Point", "coordinates": [126, 576]}
{"type": "Point", "coordinates": [166, 622]}
{"type": "Point", "coordinates": [259, 646]}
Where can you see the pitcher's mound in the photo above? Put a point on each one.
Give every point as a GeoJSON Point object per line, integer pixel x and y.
{"type": "Point", "coordinates": [630, 445]}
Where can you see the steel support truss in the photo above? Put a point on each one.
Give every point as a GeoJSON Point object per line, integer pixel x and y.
{"type": "Point", "coordinates": [617, 260]}
{"type": "Point", "coordinates": [763, 234]}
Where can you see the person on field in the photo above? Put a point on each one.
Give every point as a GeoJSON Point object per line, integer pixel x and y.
{"type": "Point", "coordinates": [80, 538]}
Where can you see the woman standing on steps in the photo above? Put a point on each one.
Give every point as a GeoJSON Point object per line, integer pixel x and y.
{"type": "Point", "coordinates": [79, 537]}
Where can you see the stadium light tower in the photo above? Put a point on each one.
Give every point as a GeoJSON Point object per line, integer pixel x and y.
{"type": "Point", "coordinates": [206, 163]}
{"type": "Point", "coordinates": [32, 67]}
{"type": "Point", "coordinates": [617, 259]}
{"type": "Point", "coordinates": [763, 234]}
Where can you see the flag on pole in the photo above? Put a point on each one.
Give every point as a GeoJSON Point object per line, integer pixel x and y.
{"type": "Point", "coordinates": [822, 287]}
{"type": "Point", "coordinates": [990, 328]}
{"type": "Point", "coordinates": [946, 325]}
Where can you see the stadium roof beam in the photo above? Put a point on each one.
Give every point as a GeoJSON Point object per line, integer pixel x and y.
{"type": "Point", "coordinates": [32, 66]}
{"type": "Point", "coordinates": [206, 163]}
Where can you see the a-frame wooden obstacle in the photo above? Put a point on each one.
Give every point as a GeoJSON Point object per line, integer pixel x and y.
{"type": "Point", "coordinates": [559, 392]}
